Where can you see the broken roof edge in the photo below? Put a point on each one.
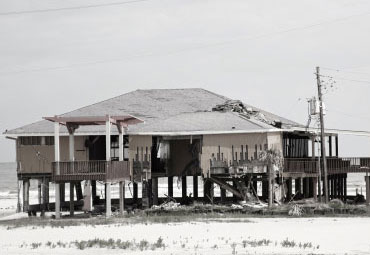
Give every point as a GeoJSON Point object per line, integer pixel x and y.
{"type": "Point", "coordinates": [332, 131]}
{"type": "Point", "coordinates": [180, 133]}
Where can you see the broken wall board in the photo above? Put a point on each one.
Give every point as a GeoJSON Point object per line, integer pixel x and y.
{"type": "Point", "coordinates": [140, 152]}
{"type": "Point", "coordinates": [231, 146]}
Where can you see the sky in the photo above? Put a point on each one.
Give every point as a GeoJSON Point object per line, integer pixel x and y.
{"type": "Point", "coordinates": [58, 55]}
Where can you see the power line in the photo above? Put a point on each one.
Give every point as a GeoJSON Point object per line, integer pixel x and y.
{"type": "Point", "coordinates": [217, 44]}
{"type": "Point", "coordinates": [346, 79]}
{"type": "Point", "coordinates": [70, 8]}
{"type": "Point", "coordinates": [340, 70]}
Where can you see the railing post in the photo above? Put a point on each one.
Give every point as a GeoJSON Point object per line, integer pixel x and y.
{"type": "Point", "coordinates": [57, 168]}
{"type": "Point", "coordinates": [108, 158]}
{"type": "Point", "coordinates": [121, 183]}
{"type": "Point", "coordinates": [71, 168]}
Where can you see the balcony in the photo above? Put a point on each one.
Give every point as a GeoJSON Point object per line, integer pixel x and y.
{"type": "Point", "coordinates": [107, 171]}
{"type": "Point", "coordinates": [309, 166]}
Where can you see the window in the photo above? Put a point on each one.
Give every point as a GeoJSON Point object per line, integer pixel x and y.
{"type": "Point", "coordinates": [30, 140]}
{"type": "Point", "coordinates": [49, 140]}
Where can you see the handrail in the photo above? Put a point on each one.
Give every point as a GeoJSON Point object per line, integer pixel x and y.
{"type": "Point", "coordinates": [334, 165]}
{"type": "Point", "coordinates": [91, 170]}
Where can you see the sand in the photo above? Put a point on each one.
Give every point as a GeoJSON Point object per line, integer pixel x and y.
{"type": "Point", "coordinates": [327, 236]}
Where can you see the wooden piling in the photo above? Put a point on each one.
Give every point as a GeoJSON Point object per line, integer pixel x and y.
{"type": "Point", "coordinates": [297, 183]}
{"type": "Point", "coordinates": [93, 191]}
{"type": "Point", "coordinates": [135, 192]}
{"type": "Point", "coordinates": [208, 190]}
{"type": "Point", "coordinates": [62, 192]}
{"type": "Point", "coordinates": [265, 189]}
{"type": "Point", "coordinates": [314, 188]}
{"type": "Point", "coordinates": [78, 191]}
{"type": "Point", "coordinates": [26, 194]}
{"type": "Point", "coordinates": [121, 197]}
{"type": "Point", "coordinates": [289, 188]}
{"type": "Point", "coordinates": [195, 186]}
{"type": "Point", "coordinates": [39, 190]}
{"type": "Point", "coordinates": [170, 186]}
{"type": "Point", "coordinates": [306, 187]}
{"type": "Point", "coordinates": [183, 187]}
{"type": "Point", "coordinates": [155, 190]}
{"type": "Point", "coordinates": [367, 181]}
{"type": "Point", "coordinates": [223, 194]}
{"type": "Point", "coordinates": [71, 198]}
{"type": "Point", "coordinates": [235, 186]}
{"type": "Point", "coordinates": [345, 187]}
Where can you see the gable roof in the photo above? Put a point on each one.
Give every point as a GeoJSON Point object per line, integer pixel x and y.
{"type": "Point", "coordinates": [163, 110]}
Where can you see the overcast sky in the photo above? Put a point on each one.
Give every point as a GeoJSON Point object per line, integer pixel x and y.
{"type": "Point", "coordinates": [261, 52]}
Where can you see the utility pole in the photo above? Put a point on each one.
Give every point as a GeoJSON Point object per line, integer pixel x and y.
{"type": "Point", "coordinates": [323, 149]}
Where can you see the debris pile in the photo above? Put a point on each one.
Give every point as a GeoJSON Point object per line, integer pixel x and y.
{"type": "Point", "coordinates": [244, 111]}
{"type": "Point", "coordinates": [171, 205]}
{"type": "Point", "coordinates": [296, 210]}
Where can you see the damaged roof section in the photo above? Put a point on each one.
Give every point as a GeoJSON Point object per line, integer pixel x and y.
{"type": "Point", "coordinates": [252, 113]}
{"type": "Point", "coordinates": [169, 110]}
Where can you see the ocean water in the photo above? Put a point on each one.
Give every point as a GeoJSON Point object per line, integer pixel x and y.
{"type": "Point", "coordinates": [9, 186]}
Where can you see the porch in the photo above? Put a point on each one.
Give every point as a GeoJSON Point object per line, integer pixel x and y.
{"type": "Point", "coordinates": [98, 170]}
{"type": "Point", "coordinates": [310, 166]}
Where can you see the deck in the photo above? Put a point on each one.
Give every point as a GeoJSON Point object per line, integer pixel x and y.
{"type": "Point", "coordinates": [107, 171]}
{"type": "Point", "coordinates": [309, 167]}
{"type": "Point", "coordinates": [293, 167]}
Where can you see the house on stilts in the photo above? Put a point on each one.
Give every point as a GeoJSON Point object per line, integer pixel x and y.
{"type": "Point", "coordinates": [145, 135]}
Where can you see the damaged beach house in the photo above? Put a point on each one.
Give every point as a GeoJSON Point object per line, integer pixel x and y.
{"type": "Point", "coordinates": [224, 148]}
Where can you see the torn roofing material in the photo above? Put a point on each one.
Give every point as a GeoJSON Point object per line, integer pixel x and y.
{"type": "Point", "coordinates": [163, 110]}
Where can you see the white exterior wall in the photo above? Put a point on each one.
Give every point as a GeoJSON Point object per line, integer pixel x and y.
{"type": "Point", "coordinates": [226, 141]}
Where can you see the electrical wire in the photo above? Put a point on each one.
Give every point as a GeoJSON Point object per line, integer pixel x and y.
{"type": "Point", "coordinates": [345, 79]}
{"type": "Point", "coordinates": [340, 70]}
{"type": "Point", "coordinates": [70, 8]}
{"type": "Point", "coordinates": [217, 44]}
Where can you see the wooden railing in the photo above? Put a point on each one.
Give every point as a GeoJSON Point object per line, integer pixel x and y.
{"type": "Point", "coordinates": [90, 170]}
{"type": "Point", "coordinates": [334, 165]}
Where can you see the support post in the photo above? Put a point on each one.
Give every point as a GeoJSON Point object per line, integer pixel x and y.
{"type": "Point", "coordinates": [297, 184]}
{"type": "Point", "coordinates": [39, 191]}
{"type": "Point", "coordinates": [93, 191]}
{"type": "Point", "coordinates": [62, 188]}
{"type": "Point", "coordinates": [57, 159]}
{"type": "Point", "coordinates": [155, 190]}
{"type": "Point", "coordinates": [270, 186]}
{"type": "Point", "coordinates": [26, 195]}
{"type": "Point", "coordinates": [208, 190]}
{"type": "Point", "coordinates": [195, 186]}
{"type": "Point", "coordinates": [45, 195]}
{"type": "Point", "coordinates": [71, 198]}
{"type": "Point", "coordinates": [289, 189]}
{"type": "Point", "coordinates": [314, 188]}
{"type": "Point", "coordinates": [108, 207]}
{"type": "Point", "coordinates": [78, 187]}
{"type": "Point", "coordinates": [223, 194]}
{"type": "Point", "coordinates": [121, 198]}
{"type": "Point", "coordinates": [170, 186]}
{"type": "Point", "coordinates": [367, 181]}
{"type": "Point", "coordinates": [235, 186]}
{"type": "Point", "coordinates": [183, 187]}
{"type": "Point", "coordinates": [265, 189]}
{"type": "Point", "coordinates": [135, 192]}
{"type": "Point", "coordinates": [345, 187]}
{"type": "Point", "coordinates": [121, 183]}
{"type": "Point", "coordinates": [306, 187]}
